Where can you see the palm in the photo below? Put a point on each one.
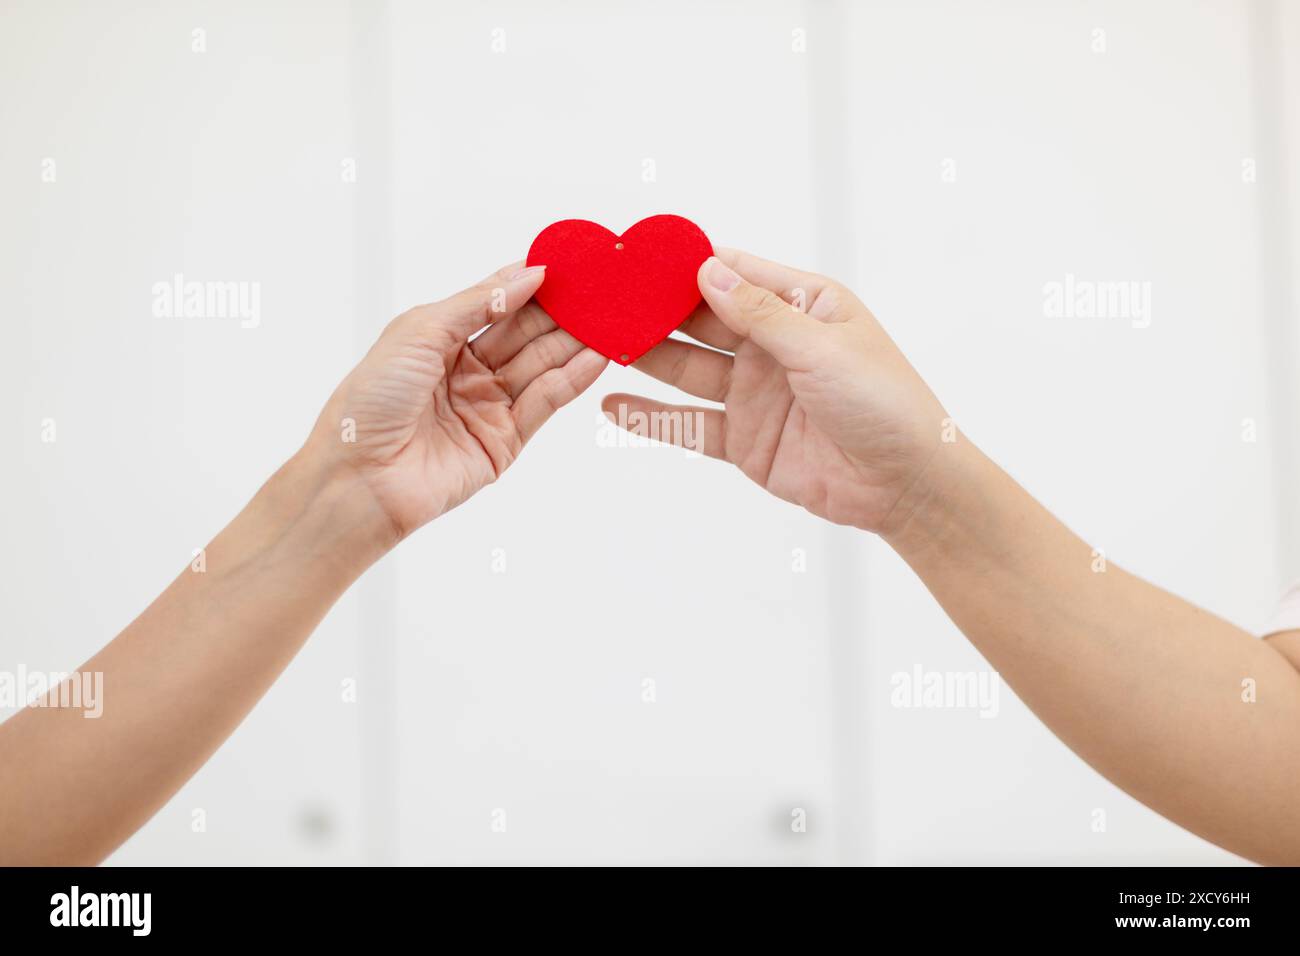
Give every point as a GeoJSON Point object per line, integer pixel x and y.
{"type": "Point", "coordinates": [460, 440]}
{"type": "Point", "coordinates": [790, 434]}
{"type": "Point", "coordinates": [429, 418]}
{"type": "Point", "coordinates": [820, 408]}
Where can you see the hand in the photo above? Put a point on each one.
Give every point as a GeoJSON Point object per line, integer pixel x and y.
{"type": "Point", "coordinates": [820, 406]}
{"type": "Point", "coordinates": [428, 417]}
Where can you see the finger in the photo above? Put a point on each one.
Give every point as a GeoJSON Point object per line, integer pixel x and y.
{"type": "Point", "coordinates": [503, 340]}
{"type": "Point", "coordinates": [700, 429]}
{"type": "Point", "coordinates": [697, 371]}
{"type": "Point", "coordinates": [497, 297]}
{"type": "Point", "coordinates": [554, 389]}
{"type": "Point", "coordinates": [789, 335]}
{"type": "Point", "coordinates": [495, 277]}
{"type": "Point", "coordinates": [795, 286]}
{"type": "Point", "coordinates": [704, 326]}
{"type": "Point", "coordinates": [544, 353]}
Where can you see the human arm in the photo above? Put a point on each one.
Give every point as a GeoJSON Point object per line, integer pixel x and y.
{"type": "Point", "coordinates": [821, 408]}
{"type": "Point", "coordinates": [424, 421]}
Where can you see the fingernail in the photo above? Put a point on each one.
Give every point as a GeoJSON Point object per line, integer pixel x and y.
{"type": "Point", "coordinates": [530, 271]}
{"type": "Point", "coordinates": [720, 277]}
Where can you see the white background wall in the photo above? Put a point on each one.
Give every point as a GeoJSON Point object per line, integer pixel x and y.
{"type": "Point", "coordinates": [522, 691]}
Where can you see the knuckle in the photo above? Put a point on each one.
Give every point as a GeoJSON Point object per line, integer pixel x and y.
{"type": "Point", "coordinates": [472, 301]}
{"type": "Point", "coordinates": [533, 321]}
{"type": "Point", "coordinates": [412, 319]}
{"type": "Point", "coordinates": [827, 301]}
{"type": "Point", "coordinates": [555, 388]}
{"type": "Point", "coordinates": [767, 306]}
{"type": "Point", "coordinates": [556, 348]}
{"type": "Point", "coordinates": [678, 364]}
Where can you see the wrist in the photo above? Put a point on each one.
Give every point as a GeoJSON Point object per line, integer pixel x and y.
{"type": "Point", "coordinates": [333, 511]}
{"type": "Point", "coordinates": [941, 500]}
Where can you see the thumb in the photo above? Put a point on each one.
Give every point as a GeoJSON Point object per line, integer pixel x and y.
{"type": "Point", "coordinates": [497, 297]}
{"type": "Point", "coordinates": [786, 333]}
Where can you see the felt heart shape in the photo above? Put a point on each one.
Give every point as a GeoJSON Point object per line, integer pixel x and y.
{"type": "Point", "coordinates": [620, 295]}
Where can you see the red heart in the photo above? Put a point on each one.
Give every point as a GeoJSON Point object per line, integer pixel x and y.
{"type": "Point", "coordinates": [620, 295]}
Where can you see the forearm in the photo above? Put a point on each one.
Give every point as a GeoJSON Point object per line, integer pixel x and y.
{"type": "Point", "coordinates": [1144, 686]}
{"type": "Point", "coordinates": [184, 674]}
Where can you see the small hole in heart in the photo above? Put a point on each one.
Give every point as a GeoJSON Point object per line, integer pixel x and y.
{"type": "Point", "coordinates": [624, 358]}
{"type": "Point", "coordinates": [618, 245]}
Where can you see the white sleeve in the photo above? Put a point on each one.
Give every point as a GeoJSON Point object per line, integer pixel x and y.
{"type": "Point", "coordinates": [1287, 615]}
